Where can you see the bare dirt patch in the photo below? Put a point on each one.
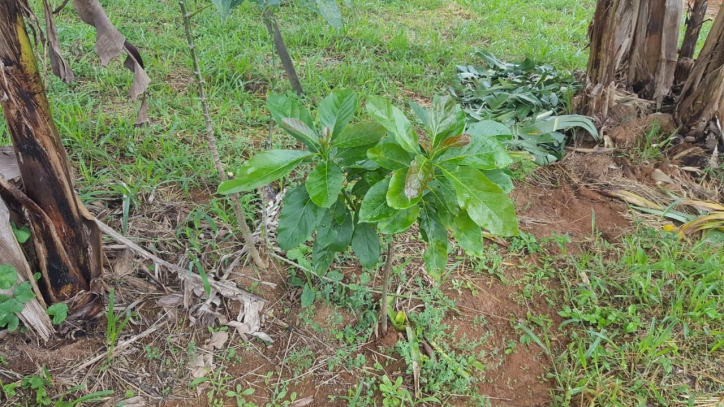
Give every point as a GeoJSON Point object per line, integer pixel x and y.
{"type": "Point", "coordinates": [547, 211]}
{"type": "Point", "coordinates": [514, 375]}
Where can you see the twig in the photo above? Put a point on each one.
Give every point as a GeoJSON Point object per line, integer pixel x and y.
{"type": "Point", "coordinates": [595, 150]}
{"type": "Point", "coordinates": [122, 345]}
{"type": "Point", "coordinates": [211, 140]}
{"type": "Point", "coordinates": [225, 290]}
{"type": "Point", "coordinates": [284, 362]}
{"type": "Point", "coordinates": [61, 7]}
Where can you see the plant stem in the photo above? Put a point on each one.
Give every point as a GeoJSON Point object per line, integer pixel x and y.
{"type": "Point", "coordinates": [273, 28]}
{"type": "Point", "coordinates": [385, 287]}
{"type": "Point", "coordinates": [211, 139]}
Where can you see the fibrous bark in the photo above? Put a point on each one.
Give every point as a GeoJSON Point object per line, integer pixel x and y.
{"type": "Point", "coordinates": [611, 34]}
{"type": "Point", "coordinates": [33, 315]}
{"type": "Point", "coordinates": [634, 42]}
{"type": "Point", "coordinates": [694, 20]}
{"type": "Point", "coordinates": [702, 98]}
{"type": "Point", "coordinates": [67, 241]}
{"type": "Point", "coordinates": [652, 61]}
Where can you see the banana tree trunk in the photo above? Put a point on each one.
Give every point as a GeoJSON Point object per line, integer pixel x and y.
{"type": "Point", "coordinates": [694, 20]}
{"type": "Point", "coordinates": [702, 98]}
{"type": "Point", "coordinates": [67, 241]}
{"type": "Point", "coordinates": [652, 62]}
{"type": "Point", "coordinates": [611, 34]}
{"type": "Point", "coordinates": [634, 42]}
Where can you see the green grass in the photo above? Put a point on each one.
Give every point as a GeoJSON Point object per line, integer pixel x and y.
{"type": "Point", "coordinates": [642, 321]}
{"type": "Point", "coordinates": [642, 328]}
{"type": "Point", "coordinates": [402, 49]}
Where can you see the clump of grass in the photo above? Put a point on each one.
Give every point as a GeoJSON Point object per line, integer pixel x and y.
{"type": "Point", "coordinates": [644, 322]}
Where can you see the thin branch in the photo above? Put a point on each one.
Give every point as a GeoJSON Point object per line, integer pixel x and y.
{"type": "Point", "coordinates": [224, 288]}
{"type": "Point", "coordinates": [211, 140]}
{"type": "Point", "coordinates": [61, 7]}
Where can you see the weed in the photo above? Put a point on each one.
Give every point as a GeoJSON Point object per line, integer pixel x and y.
{"type": "Point", "coordinates": [239, 394]}
{"type": "Point", "coordinates": [115, 325]}
{"type": "Point", "coordinates": [300, 360]}
{"type": "Point", "coordinates": [59, 312]}
{"type": "Point", "coordinates": [36, 388]}
{"type": "Point", "coordinates": [641, 313]}
{"type": "Point", "coordinates": [12, 305]}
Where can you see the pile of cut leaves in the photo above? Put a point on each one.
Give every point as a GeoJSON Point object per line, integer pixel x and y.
{"type": "Point", "coordinates": [529, 99]}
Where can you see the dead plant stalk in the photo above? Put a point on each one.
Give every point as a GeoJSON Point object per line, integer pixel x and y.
{"type": "Point", "coordinates": [211, 139]}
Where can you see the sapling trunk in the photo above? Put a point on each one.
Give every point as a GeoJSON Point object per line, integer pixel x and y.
{"type": "Point", "coordinates": [211, 140]}
{"type": "Point", "coordinates": [385, 287]}
{"type": "Point", "coordinates": [273, 28]}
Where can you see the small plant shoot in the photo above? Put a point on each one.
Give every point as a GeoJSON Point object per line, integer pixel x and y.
{"type": "Point", "coordinates": [371, 178]}
{"type": "Point", "coordinates": [12, 297]}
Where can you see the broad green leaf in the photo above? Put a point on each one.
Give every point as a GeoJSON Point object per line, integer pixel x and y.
{"type": "Point", "coordinates": [59, 312]}
{"type": "Point", "coordinates": [395, 122]}
{"type": "Point", "coordinates": [445, 119]}
{"type": "Point", "coordinates": [374, 206]}
{"type": "Point", "coordinates": [326, 233]}
{"type": "Point", "coordinates": [485, 153]}
{"type": "Point", "coordinates": [24, 292]}
{"type": "Point", "coordinates": [468, 234]}
{"type": "Point", "coordinates": [10, 321]}
{"type": "Point", "coordinates": [435, 234]}
{"type": "Point", "coordinates": [408, 184]}
{"type": "Point", "coordinates": [489, 128]}
{"type": "Point", "coordinates": [396, 197]}
{"type": "Point", "coordinates": [442, 196]}
{"type": "Point", "coordinates": [501, 179]}
{"type": "Point", "coordinates": [263, 169]}
{"type": "Point", "coordinates": [390, 156]}
{"type": "Point", "coordinates": [435, 256]}
{"type": "Point", "coordinates": [8, 276]}
{"type": "Point", "coordinates": [330, 11]}
{"type": "Point", "coordinates": [360, 188]}
{"type": "Point", "coordinates": [336, 110]}
{"type": "Point", "coordinates": [400, 222]}
{"type": "Point", "coordinates": [307, 296]}
{"type": "Point", "coordinates": [418, 176]}
{"type": "Point", "coordinates": [224, 6]}
{"type": "Point", "coordinates": [299, 217]}
{"type": "Point", "coordinates": [486, 203]}
{"type": "Point", "coordinates": [359, 135]}
{"type": "Point", "coordinates": [324, 184]}
{"type": "Point", "coordinates": [355, 157]}
{"type": "Point", "coordinates": [564, 122]}
{"type": "Point", "coordinates": [344, 235]}
{"type": "Point", "coordinates": [282, 107]}
{"type": "Point", "coordinates": [322, 258]}
{"type": "Point", "coordinates": [300, 131]}
{"type": "Point", "coordinates": [366, 244]}
{"type": "Point", "coordinates": [340, 211]}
